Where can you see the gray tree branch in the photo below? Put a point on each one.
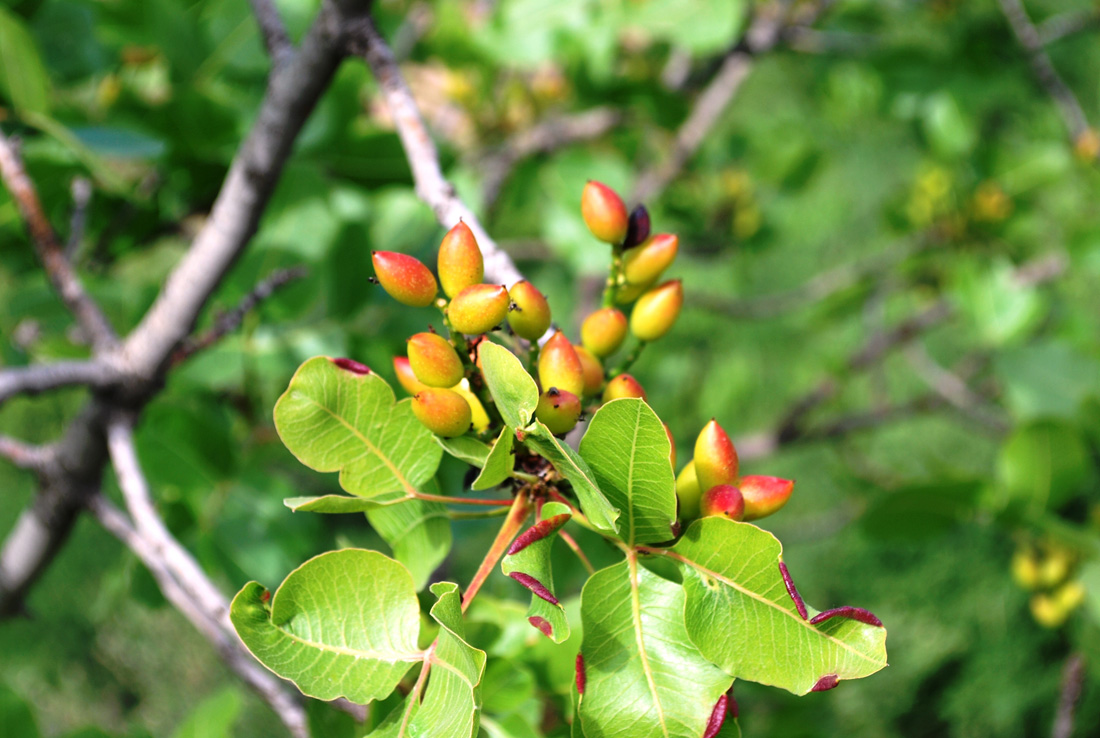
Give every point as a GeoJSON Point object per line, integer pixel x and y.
{"type": "Point", "coordinates": [431, 186]}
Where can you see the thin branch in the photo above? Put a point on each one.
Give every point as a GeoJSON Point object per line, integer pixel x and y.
{"type": "Point", "coordinates": [1073, 682]}
{"type": "Point", "coordinates": [431, 186]}
{"type": "Point", "coordinates": [50, 252]}
{"type": "Point", "coordinates": [292, 92]}
{"type": "Point", "coordinates": [276, 39]}
{"type": "Point", "coordinates": [230, 321]}
{"type": "Point", "coordinates": [545, 137]}
{"type": "Point", "coordinates": [81, 190]}
{"type": "Point", "coordinates": [765, 32]}
{"type": "Point", "coordinates": [953, 388]}
{"type": "Point", "coordinates": [182, 579]}
{"type": "Point", "coordinates": [25, 455]}
{"type": "Point", "coordinates": [1073, 115]}
{"type": "Point", "coordinates": [31, 380]}
{"type": "Point", "coordinates": [1058, 27]}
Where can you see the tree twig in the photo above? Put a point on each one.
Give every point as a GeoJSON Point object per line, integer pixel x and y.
{"type": "Point", "coordinates": [230, 321]}
{"type": "Point", "coordinates": [81, 190]}
{"type": "Point", "coordinates": [64, 280]}
{"type": "Point", "coordinates": [431, 186]}
{"type": "Point", "coordinates": [1073, 682]}
{"type": "Point", "coordinates": [181, 578]}
{"type": "Point", "coordinates": [25, 455]}
{"type": "Point", "coordinates": [1073, 115]}
{"type": "Point", "coordinates": [1058, 27]}
{"type": "Point", "coordinates": [544, 137]}
{"type": "Point", "coordinates": [276, 39]}
{"type": "Point", "coordinates": [31, 380]}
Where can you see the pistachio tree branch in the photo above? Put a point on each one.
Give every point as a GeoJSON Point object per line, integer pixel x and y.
{"type": "Point", "coordinates": [25, 455]}
{"type": "Point", "coordinates": [764, 34]}
{"type": "Point", "coordinates": [431, 186]}
{"type": "Point", "coordinates": [1058, 27]}
{"type": "Point", "coordinates": [272, 31]}
{"type": "Point", "coordinates": [50, 251]}
{"type": "Point", "coordinates": [544, 137]}
{"type": "Point", "coordinates": [1073, 115]}
{"type": "Point", "coordinates": [181, 578]}
{"type": "Point", "coordinates": [31, 380]}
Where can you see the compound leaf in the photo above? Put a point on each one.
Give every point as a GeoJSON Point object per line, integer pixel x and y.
{"type": "Point", "coordinates": [742, 618]}
{"type": "Point", "coordinates": [644, 678]}
{"type": "Point", "coordinates": [334, 419]}
{"type": "Point", "coordinates": [343, 624]}
{"type": "Point", "coordinates": [627, 449]}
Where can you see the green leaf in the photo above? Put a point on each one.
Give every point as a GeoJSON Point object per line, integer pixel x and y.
{"type": "Point", "coordinates": [337, 420]}
{"type": "Point", "coordinates": [532, 562]}
{"type": "Point", "coordinates": [23, 77]}
{"type": "Point", "coordinates": [213, 717]}
{"type": "Point", "coordinates": [465, 448]}
{"type": "Point", "coordinates": [418, 531]}
{"type": "Point", "coordinates": [499, 464]}
{"type": "Point", "coordinates": [335, 504]}
{"type": "Point", "coordinates": [1044, 463]}
{"type": "Point", "coordinates": [740, 615]}
{"type": "Point", "coordinates": [343, 624]}
{"type": "Point", "coordinates": [644, 676]}
{"type": "Point", "coordinates": [509, 383]}
{"type": "Point", "coordinates": [571, 466]}
{"type": "Point", "coordinates": [452, 701]}
{"type": "Point", "coordinates": [627, 449]}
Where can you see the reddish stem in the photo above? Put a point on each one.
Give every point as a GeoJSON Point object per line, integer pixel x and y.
{"type": "Point", "coordinates": [460, 500]}
{"type": "Point", "coordinates": [521, 508]}
{"type": "Point", "coordinates": [572, 543]}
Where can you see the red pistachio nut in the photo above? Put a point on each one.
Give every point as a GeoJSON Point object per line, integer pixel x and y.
{"type": "Point", "coordinates": [478, 308]}
{"type": "Point", "coordinates": [604, 213]}
{"type": "Point", "coordinates": [764, 495]}
{"type": "Point", "coordinates": [530, 313]}
{"type": "Point", "coordinates": [442, 411]}
{"type": "Point", "coordinates": [559, 366]}
{"type": "Point", "coordinates": [558, 410]}
{"type": "Point", "coordinates": [637, 229]}
{"type": "Point", "coordinates": [723, 499]}
{"type": "Point", "coordinates": [657, 310]}
{"type": "Point", "coordinates": [715, 457]}
{"type": "Point", "coordinates": [405, 278]}
{"type": "Point", "coordinates": [621, 386]}
{"type": "Point", "coordinates": [603, 331]}
{"type": "Point", "coordinates": [593, 371]}
{"type": "Point", "coordinates": [688, 492]}
{"type": "Point", "coordinates": [644, 264]}
{"type": "Point", "coordinates": [406, 376]}
{"type": "Point", "coordinates": [460, 264]}
{"type": "Point", "coordinates": [434, 361]}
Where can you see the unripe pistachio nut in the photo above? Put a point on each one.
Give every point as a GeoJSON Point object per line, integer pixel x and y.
{"type": "Point", "coordinates": [688, 492]}
{"type": "Point", "coordinates": [558, 410]}
{"type": "Point", "coordinates": [1025, 568]}
{"type": "Point", "coordinates": [434, 360]}
{"type": "Point", "coordinates": [559, 366]}
{"type": "Point", "coordinates": [715, 456]}
{"type": "Point", "coordinates": [621, 386]}
{"type": "Point", "coordinates": [637, 228]}
{"type": "Point", "coordinates": [764, 495]}
{"type": "Point", "coordinates": [657, 310]}
{"type": "Point", "coordinates": [478, 308]}
{"type": "Point", "coordinates": [530, 313]}
{"type": "Point", "coordinates": [722, 499]}
{"type": "Point", "coordinates": [604, 213]}
{"type": "Point", "coordinates": [593, 371]}
{"type": "Point", "coordinates": [644, 264]}
{"type": "Point", "coordinates": [603, 331]}
{"type": "Point", "coordinates": [460, 264]}
{"type": "Point", "coordinates": [406, 376]}
{"type": "Point", "coordinates": [405, 278]}
{"type": "Point", "coordinates": [442, 411]}
{"type": "Point", "coordinates": [479, 419]}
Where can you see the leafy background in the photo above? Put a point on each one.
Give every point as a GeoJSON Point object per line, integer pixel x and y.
{"type": "Point", "coordinates": [911, 148]}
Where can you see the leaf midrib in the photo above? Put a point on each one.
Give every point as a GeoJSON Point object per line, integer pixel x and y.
{"type": "Point", "coordinates": [636, 613]}
{"type": "Point", "coordinates": [760, 598]}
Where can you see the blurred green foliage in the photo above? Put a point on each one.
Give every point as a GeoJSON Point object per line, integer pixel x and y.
{"type": "Point", "coordinates": [912, 137]}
